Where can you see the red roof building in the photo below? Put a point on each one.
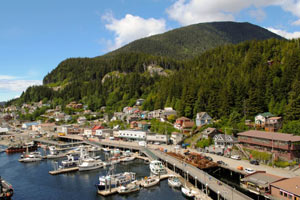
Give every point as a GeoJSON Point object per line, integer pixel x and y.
{"type": "Point", "coordinates": [285, 146]}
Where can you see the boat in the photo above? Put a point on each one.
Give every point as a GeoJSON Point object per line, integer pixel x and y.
{"type": "Point", "coordinates": [69, 162]}
{"type": "Point", "coordinates": [21, 148]}
{"type": "Point", "coordinates": [106, 149]}
{"type": "Point", "coordinates": [188, 192]}
{"type": "Point", "coordinates": [157, 167]}
{"type": "Point", "coordinates": [90, 164]}
{"type": "Point", "coordinates": [127, 159]}
{"type": "Point", "coordinates": [174, 181]}
{"type": "Point", "coordinates": [2, 150]}
{"type": "Point", "coordinates": [31, 157]}
{"type": "Point", "coordinates": [115, 180]}
{"type": "Point", "coordinates": [150, 181]}
{"type": "Point", "coordinates": [131, 187]}
{"type": "Point", "coordinates": [94, 149]}
{"type": "Point", "coordinates": [6, 190]}
{"type": "Point", "coordinates": [53, 150]}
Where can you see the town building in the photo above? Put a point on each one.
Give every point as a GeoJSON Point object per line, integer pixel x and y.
{"type": "Point", "coordinates": [28, 125]}
{"type": "Point", "coordinates": [282, 145]}
{"type": "Point", "coordinates": [176, 137]}
{"type": "Point", "coordinates": [259, 182]}
{"type": "Point", "coordinates": [224, 141]}
{"type": "Point", "coordinates": [273, 124]}
{"type": "Point", "coordinates": [45, 127]}
{"type": "Point", "coordinates": [261, 118]}
{"type": "Point", "coordinates": [3, 131]}
{"type": "Point", "coordinates": [287, 189]}
{"type": "Point", "coordinates": [154, 137]}
{"type": "Point", "coordinates": [202, 119]}
{"type": "Point", "coordinates": [132, 134]}
{"type": "Point", "coordinates": [209, 133]}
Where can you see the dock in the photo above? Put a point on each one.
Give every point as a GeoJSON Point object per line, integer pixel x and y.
{"type": "Point", "coordinates": [65, 170]}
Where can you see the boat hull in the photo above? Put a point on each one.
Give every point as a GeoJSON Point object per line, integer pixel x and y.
{"type": "Point", "coordinates": [20, 149]}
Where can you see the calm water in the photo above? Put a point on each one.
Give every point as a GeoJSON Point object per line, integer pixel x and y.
{"type": "Point", "coordinates": [32, 181]}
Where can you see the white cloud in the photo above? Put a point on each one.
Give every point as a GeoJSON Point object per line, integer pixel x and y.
{"type": "Point", "coordinates": [284, 33]}
{"type": "Point", "coordinates": [296, 23]}
{"type": "Point", "coordinates": [7, 77]}
{"type": "Point", "coordinates": [11, 83]}
{"type": "Point", "coordinates": [195, 11]}
{"type": "Point", "coordinates": [131, 28]}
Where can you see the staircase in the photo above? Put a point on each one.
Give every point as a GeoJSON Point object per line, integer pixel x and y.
{"type": "Point", "coordinates": [243, 151]}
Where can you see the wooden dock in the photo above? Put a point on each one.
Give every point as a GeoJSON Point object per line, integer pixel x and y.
{"type": "Point", "coordinates": [65, 170]}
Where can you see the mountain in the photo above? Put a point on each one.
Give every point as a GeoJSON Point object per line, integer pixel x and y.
{"type": "Point", "coordinates": [231, 80]}
{"type": "Point", "coordinates": [189, 41]}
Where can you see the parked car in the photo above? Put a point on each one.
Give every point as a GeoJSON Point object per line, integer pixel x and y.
{"type": "Point", "coordinates": [219, 153]}
{"type": "Point", "coordinates": [249, 170]}
{"type": "Point", "coordinates": [157, 143]}
{"type": "Point", "coordinates": [236, 157]}
{"type": "Point", "coordinates": [220, 162]}
{"type": "Point", "coordinates": [254, 162]}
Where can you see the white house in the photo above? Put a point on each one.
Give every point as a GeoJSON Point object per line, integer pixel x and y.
{"type": "Point", "coordinates": [132, 134]}
{"type": "Point", "coordinates": [202, 119]}
{"type": "Point", "coordinates": [176, 137]}
{"type": "Point", "coordinates": [224, 141]}
{"type": "Point", "coordinates": [261, 118]}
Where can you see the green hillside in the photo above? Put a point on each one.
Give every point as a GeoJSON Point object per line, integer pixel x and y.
{"type": "Point", "coordinates": [189, 41]}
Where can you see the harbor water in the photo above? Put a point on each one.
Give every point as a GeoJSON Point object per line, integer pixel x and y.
{"type": "Point", "coordinates": [32, 181]}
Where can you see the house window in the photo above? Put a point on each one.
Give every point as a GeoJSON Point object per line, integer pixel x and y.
{"type": "Point", "coordinates": [290, 196]}
{"type": "Point", "coordinates": [285, 194]}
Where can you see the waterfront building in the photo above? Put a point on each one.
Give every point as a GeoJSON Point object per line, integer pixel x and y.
{"type": "Point", "coordinates": [287, 189]}
{"type": "Point", "coordinates": [259, 182]}
{"type": "Point", "coordinates": [282, 145]}
{"type": "Point", "coordinates": [154, 137]}
{"type": "Point", "coordinates": [132, 134]}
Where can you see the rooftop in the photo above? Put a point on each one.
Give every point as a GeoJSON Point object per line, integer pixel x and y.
{"type": "Point", "coordinates": [271, 135]}
{"type": "Point", "coordinates": [291, 185]}
{"type": "Point", "coordinates": [262, 178]}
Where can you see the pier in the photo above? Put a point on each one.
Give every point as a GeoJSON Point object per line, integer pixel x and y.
{"type": "Point", "coordinates": [210, 185]}
{"type": "Point", "coordinates": [64, 170]}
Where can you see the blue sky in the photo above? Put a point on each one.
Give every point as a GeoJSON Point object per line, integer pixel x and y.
{"type": "Point", "coordinates": [35, 35]}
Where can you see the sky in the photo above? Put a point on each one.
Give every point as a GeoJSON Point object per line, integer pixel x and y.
{"type": "Point", "coordinates": [35, 35]}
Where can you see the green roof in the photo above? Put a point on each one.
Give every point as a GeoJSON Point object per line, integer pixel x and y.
{"type": "Point", "coordinates": [266, 114]}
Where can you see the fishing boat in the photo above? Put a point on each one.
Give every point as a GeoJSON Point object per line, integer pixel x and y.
{"type": "Point", "coordinates": [189, 193]}
{"type": "Point", "coordinates": [131, 187]}
{"type": "Point", "coordinates": [157, 167]}
{"type": "Point", "coordinates": [127, 159]}
{"type": "Point", "coordinates": [6, 190]}
{"type": "Point", "coordinates": [69, 162]}
{"type": "Point", "coordinates": [31, 157]}
{"type": "Point", "coordinates": [21, 147]}
{"type": "Point", "coordinates": [174, 181]}
{"type": "Point", "coordinates": [89, 163]}
{"type": "Point", "coordinates": [150, 181]}
{"type": "Point", "coordinates": [115, 180]}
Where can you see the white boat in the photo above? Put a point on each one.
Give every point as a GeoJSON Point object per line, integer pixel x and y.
{"type": "Point", "coordinates": [106, 149]}
{"type": "Point", "coordinates": [32, 157]}
{"type": "Point", "coordinates": [127, 159]}
{"type": "Point", "coordinates": [188, 192]}
{"type": "Point", "coordinates": [131, 187]}
{"type": "Point", "coordinates": [53, 150]}
{"type": "Point", "coordinates": [2, 150]}
{"type": "Point", "coordinates": [150, 181]}
{"type": "Point", "coordinates": [70, 162]}
{"type": "Point", "coordinates": [157, 167]}
{"type": "Point", "coordinates": [174, 181]}
{"type": "Point", "coordinates": [115, 180]}
{"type": "Point", "coordinates": [90, 164]}
{"type": "Point", "coordinates": [94, 149]}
